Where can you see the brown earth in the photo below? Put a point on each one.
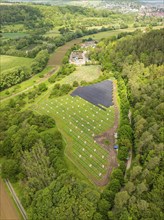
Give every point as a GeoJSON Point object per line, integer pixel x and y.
{"type": "Point", "coordinates": [109, 135]}
{"type": "Point", "coordinates": [7, 209]}
{"type": "Point", "coordinates": [57, 57]}
{"type": "Point", "coordinates": [100, 139]}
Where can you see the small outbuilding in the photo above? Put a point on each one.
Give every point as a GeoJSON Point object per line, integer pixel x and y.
{"type": "Point", "coordinates": [115, 147]}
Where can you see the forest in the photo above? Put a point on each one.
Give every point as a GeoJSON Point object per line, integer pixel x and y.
{"type": "Point", "coordinates": [139, 71]}
{"type": "Point", "coordinates": [32, 147]}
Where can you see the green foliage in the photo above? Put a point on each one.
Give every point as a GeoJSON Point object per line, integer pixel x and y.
{"type": "Point", "coordinates": [65, 70]}
{"type": "Point", "coordinates": [42, 87]}
{"type": "Point", "coordinates": [138, 48]}
{"type": "Point", "coordinates": [40, 61]}
{"type": "Point", "coordinates": [39, 164]}
{"type": "Point", "coordinates": [60, 90]}
{"type": "Point", "coordinates": [103, 206]}
{"type": "Point", "coordinates": [14, 76]}
{"type": "Point", "coordinates": [75, 84]}
{"type": "Point", "coordinates": [65, 198]}
{"type": "Point", "coordinates": [83, 83]}
{"type": "Point", "coordinates": [10, 169]}
{"type": "Point", "coordinates": [139, 86]}
{"type": "Point", "coordinates": [118, 174]}
{"type": "Point", "coordinates": [19, 13]}
{"type": "Point", "coordinates": [37, 167]}
{"type": "Point", "coordinates": [121, 199]}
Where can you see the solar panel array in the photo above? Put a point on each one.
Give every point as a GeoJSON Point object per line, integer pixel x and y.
{"type": "Point", "coordinates": [99, 94]}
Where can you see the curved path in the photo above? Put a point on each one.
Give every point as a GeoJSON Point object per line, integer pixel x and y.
{"type": "Point", "coordinates": [54, 61]}
{"type": "Point", "coordinates": [109, 135]}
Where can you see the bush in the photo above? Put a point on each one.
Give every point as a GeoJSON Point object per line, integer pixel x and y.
{"type": "Point", "coordinates": [83, 83]}
{"type": "Point", "coordinates": [10, 169]}
{"type": "Point", "coordinates": [42, 87]}
{"type": "Point", "coordinates": [60, 90]}
{"type": "Point", "coordinates": [75, 84]}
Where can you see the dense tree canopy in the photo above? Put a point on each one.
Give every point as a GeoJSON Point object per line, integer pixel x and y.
{"type": "Point", "coordinates": [138, 69]}
{"type": "Point", "coordinates": [33, 148]}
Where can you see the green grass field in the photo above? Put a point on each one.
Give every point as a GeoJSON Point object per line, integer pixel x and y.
{"type": "Point", "coordinates": [53, 33]}
{"type": "Point", "coordinates": [110, 33]}
{"type": "Point", "coordinates": [14, 35]}
{"type": "Point", "coordinates": [79, 122]}
{"type": "Point", "coordinates": [9, 62]}
{"type": "Point", "coordinates": [86, 73]}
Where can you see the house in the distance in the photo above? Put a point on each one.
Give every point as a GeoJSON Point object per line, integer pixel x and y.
{"type": "Point", "coordinates": [87, 44]}
{"type": "Point", "coordinates": [78, 57]}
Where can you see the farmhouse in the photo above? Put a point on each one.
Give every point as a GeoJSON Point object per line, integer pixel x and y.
{"type": "Point", "coordinates": [78, 57]}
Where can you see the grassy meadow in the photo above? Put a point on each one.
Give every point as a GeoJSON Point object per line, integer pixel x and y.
{"type": "Point", "coordinates": [106, 34]}
{"type": "Point", "coordinates": [79, 122]}
{"type": "Point", "coordinates": [86, 73]}
{"type": "Point", "coordinates": [9, 62]}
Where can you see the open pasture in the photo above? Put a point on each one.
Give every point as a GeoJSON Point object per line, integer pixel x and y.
{"type": "Point", "coordinates": [86, 73]}
{"type": "Point", "coordinates": [82, 121]}
{"type": "Point", "coordinates": [9, 62]}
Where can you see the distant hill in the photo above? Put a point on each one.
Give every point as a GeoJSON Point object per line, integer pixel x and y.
{"type": "Point", "coordinates": [78, 2]}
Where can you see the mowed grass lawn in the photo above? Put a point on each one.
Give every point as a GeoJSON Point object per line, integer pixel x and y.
{"type": "Point", "coordinates": [80, 122]}
{"type": "Point", "coordinates": [9, 62]}
{"type": "Point", "coordinates": [86, 73]}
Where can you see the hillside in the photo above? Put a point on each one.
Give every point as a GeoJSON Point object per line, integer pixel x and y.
{"type": "Point", "coordinates": [139, 72]}
{"type": "Point", "coordinates": [91, 2]}
{"type": "Point", "coordinates": [81, 111]}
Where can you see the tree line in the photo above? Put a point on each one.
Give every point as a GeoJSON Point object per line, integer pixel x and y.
{"type": "Point", "coordinates": [19, 74]}
{"type": "Point", "coordinates": [139, 195]}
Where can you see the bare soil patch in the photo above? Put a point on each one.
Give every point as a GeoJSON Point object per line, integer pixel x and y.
{"type": "Point", "coordinates": [109, 135]}
{"type": "Point", "coordinates": [58, 55]}
{"type": "Point", "coordinates": [7, 209]}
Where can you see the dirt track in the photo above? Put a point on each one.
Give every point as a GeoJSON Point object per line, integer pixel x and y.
{"type": "Point", "coordinates": [7, 209]}
{"type": "Point", "coordinates": [57, 57]}
{"type": "Point", "coordinates": [109, 135]}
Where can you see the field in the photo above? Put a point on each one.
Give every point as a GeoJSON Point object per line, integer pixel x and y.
{"type": "Point", "coordinates": [9, 62]}
{"type": "Point", "coordinates": [53, 33]}
{"type": "Point", "coordinates": [86, 73]}
{"type": "Point", "coordinates": [14, 35]}
{"type": "Point", "coordinates": [107, 34]}
{"type": "Point", "coordinates": [80, 122]}
{"type": "Point", "coordinates": [7, 208]}
{"type": "Point", "coordinates": [57, 57]}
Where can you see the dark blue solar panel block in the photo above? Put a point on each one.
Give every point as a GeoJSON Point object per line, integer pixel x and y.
{"type": "Point", "coordinates": [97, 94]}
